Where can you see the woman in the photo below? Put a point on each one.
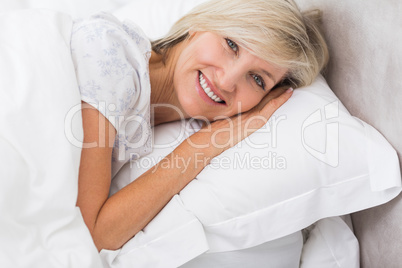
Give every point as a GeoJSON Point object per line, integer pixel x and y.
{"type": "Point", "coordinates": [227, 61]}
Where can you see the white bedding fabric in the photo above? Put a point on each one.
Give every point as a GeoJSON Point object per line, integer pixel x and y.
{"type": "Point", "coordinates": [331, 244]}
{"type": "Point", "coordinates": [243, 207]}
{"type": "Point", "coordinates": [39, 223]}
{"type": "Point", "coordinates": [74, 8]}
{"type": "Point", "coordinates": [284, 252]}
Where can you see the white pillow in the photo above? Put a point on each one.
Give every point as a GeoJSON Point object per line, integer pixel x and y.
{"type": "Point", "coordinates": [331, 243]}
{"type": "Point", "coordinates": [324, 162]}
{"type": "Point", "coordinates": [155, 17]}
{"type": "Point", "coordinates": [318, 162]}
{"type": "Point", "coordinates": [280, 253]}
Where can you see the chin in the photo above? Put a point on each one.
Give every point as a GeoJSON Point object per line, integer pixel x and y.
{"type": "Point", "coordinates": [189, 107]}
{"type": "Point", "coordinates": [193, 108]}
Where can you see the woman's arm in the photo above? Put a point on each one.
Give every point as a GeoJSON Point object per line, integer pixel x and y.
{"type": "Point", "coordinates": [112, 222]}
{"type": "Point", "coordinates": [95, 166]}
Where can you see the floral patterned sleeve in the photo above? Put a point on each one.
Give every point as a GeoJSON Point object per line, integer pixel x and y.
{"type": "Point", "coordinates": [111, 64]}
{"type": "Point", "coordinates": [105, 76]}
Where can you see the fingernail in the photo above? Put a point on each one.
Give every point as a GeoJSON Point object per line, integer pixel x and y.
{"type": "Point", "coordinates": [289, 90]}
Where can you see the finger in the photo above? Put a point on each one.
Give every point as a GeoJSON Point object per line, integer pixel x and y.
{"type": "Point", "coordinates": [273, 104]}
{"type": "Point", "coordinates": [277, 91]}
{"type": "Point", "coordinates": [272, 95]}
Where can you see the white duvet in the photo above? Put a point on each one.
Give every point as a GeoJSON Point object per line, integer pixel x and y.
{"type": "Point", "coordinates": [39, 223]}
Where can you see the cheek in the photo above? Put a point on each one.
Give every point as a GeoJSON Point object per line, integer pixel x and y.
{"type": "Point", "coordinates": [208, 57]}
{"type": "Point", "coordinates": [208, 52]}
{"type": "Point", "coordinates": [184, 88]}
{"type": "Point", "coordinates": [250, 100]}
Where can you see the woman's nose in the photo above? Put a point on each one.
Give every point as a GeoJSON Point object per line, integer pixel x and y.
{"type": "Point", "coordinates": [228, 77]}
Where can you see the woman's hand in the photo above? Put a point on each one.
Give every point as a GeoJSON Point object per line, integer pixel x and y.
{"type": "Point", "coordinates": [227, 132]}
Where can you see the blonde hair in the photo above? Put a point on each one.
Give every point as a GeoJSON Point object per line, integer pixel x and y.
{"type": "Point", "coordinates": [274, 30]}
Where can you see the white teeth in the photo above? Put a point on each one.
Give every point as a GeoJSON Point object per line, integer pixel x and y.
{"type": "Point", "coordinates": [207, 90]}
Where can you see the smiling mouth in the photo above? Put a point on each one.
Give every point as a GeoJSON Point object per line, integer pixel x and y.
{"type": "Point", "coordinates": [207, 90]}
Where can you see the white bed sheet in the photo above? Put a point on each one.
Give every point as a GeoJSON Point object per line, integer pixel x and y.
{"type": "Point", "coordinates": [40, 226]}
{"type": "Point", "coordinates": [39, 223]}
{"type": "Point", "coordinates": [53, 237]}
{"type": "Point", "coordinates": [331, 244]}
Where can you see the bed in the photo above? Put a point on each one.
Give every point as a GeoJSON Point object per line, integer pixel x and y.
{"type": "Point", "coordinates": [331, 213]}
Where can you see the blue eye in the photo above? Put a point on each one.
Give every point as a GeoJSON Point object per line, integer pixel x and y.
{"type": "Point", "coordinates": [259, 81]}
{"type": "Point", "coordinates": [233, 46]}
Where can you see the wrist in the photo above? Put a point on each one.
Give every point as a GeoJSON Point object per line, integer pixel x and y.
{"type": "Point", "coordinates": [206, 141]}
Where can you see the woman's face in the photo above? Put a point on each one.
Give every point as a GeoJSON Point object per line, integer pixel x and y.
{"type": "Point", "coordinates": [216, 77]}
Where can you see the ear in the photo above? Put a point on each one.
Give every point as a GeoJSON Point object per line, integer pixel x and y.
{"type": "Point", "coordinates": [191, 33]}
